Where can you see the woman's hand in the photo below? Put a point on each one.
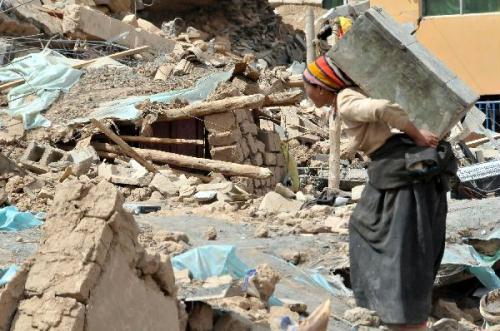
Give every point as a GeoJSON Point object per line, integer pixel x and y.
{"type": "Point", "coordinates": [427, 139]}
{"type": "Point", "coordinates": [422, 138]}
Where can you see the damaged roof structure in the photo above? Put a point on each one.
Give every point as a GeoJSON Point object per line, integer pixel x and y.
{"type": "Point", "coordinates": [162, 169]}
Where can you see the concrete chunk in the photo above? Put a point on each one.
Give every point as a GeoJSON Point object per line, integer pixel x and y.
{"type": "Point", "coordinates": [11, 26]}
{"type": "Point", "coordinates": [169, 183]}
{"type": "Point", "coordinates": [84, 22]}
{"type": "Point", "coordinates": [38, 158]}
{"type": "Point", "coordinates": [29, 12]}
{"type": "Point", "coordinates": [433, 96]}
{"type": "Point", "coordinates": [118, 174]}
{"type": "Point", "coordinates": [275, 203]}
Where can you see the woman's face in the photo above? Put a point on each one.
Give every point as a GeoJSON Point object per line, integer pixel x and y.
{"type": "Point", "coordinates": [318, 96]}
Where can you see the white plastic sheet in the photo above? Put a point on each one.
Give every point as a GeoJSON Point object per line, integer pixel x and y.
{"type": "Point", "coordinates": [46, 75]}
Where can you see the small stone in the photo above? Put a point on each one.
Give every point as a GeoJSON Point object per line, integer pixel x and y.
{"type": "Point", "coordinates": [291, 256]}
{"type": "Point", "coordinates": [187, 191]}
{"type": "Point", "coordinates": [356, 193]}
{"type": "Point", "coordinates": [3, 197]}
{"type": "Point", "coordinates": [156, 196]}
{"type": "Point", "coordinates": [211, 233]}
{"type": "Point", "coordinates": [295, 306]}
{"type": "Point", "coordinates": [265, 281]}
{"type": "Point", "coordinates": [284, 191]}
{"type": "Point", "coordinates": [164, 235]}
{"type": "Point", "coordinates": [362, 316]}
{"type": "Point", "coordinates": [262, 231]}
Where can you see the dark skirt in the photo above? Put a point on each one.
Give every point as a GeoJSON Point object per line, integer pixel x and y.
{"type": "Point", "coordinates": [397, 239]}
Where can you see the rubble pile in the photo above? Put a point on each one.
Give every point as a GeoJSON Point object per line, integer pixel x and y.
{"type": "Point", "coordinates": [88, 254]}
{"type": "Point", "coordinates": [189, 134]}
{"type": "Point", "coordinates": [246, 27]}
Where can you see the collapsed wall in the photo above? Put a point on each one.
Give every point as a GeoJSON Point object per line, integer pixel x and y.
{"type": "Point", "coordinates": [235, 137]}
{"type": "Point", "coordinates": [90, 272]}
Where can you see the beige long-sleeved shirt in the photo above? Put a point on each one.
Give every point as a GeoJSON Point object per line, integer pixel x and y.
{"type": "Point", "coordinates": [368, 122]}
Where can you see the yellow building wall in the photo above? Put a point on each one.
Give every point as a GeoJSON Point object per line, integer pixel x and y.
{"type": "Point", "coordinates": [468, 44]}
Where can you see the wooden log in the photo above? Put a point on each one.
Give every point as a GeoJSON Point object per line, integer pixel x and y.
{"type": "Point", "coordinates": [284, 99]}
{"type": "Point", "coordinates": [335, 126]}
{"type": "Point", "coordinates": [310, 55]}
{"type": "Point", "coordinates": [295, 81]}
{"type": "Point", "coordinates": [225, 168]}
{"type": "Point", "coordinates": [82, 64]}
{"type": "Point", "coordinates": [166, 141]}
{"type": "Point", "coordinates": [478, 142]}
{"type": "Point", "coordinates": [124, 146]}
{"type": "Point", "coordinates": [212, 107]}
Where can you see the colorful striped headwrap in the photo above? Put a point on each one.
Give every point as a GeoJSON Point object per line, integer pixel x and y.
{"type": "Point", "coordinates": [327, 75]}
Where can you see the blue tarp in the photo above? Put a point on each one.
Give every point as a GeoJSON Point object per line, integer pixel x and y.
{"type": "Point", "coordinates": [46, 75]}
{"type": "Point", "coordinates": [7, 274]}
{"type": "Point", "coordinates": [11, 219]}
{"type": "Point", "coordinates": [478, 264]}
{"type": "Point", "coordinates": [211, 261]}
{"type": "Point", "coordinates": [217, 260]}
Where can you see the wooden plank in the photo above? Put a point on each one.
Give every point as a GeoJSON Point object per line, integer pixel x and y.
{"type": "Point", "coordinates": [82, 64]}
{"type": "Point", "coordinates": [124, 146]}
{"type": "Point", "coordinates": [225, 168]}
{"type": "Point", "coordinates": [166, 141]}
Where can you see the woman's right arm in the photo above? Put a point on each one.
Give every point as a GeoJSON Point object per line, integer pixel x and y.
{"type": "Point", "coordinates": [355, 106]}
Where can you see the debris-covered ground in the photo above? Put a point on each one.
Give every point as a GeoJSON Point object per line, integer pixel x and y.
{"type": "Point", "coordinates": [168, 165]}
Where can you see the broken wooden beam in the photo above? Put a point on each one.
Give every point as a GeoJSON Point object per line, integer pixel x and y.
{"type": "Point", "coordinates": [480, 141]}
{"type": "Point", "coordinates": [284, 98]}
{"type": "Point", "coordinates": [123, 145]}
{"type": "Point", "coordinates": [225, 168]}
{"type": "Point", "coordinates": [82, 64]}
{"type": "Point", "coordinates": [166, 141]}
{"type": "Point", "coordinates": [295, 81]}
{"type": "Point", "coordinates": [212, 107]}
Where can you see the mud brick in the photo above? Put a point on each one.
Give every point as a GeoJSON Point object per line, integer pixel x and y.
{"type": "Point", "coordinates": [220, 122]}
{"type": "Point", "coordinates": [251, 144]}
{"type": "Point", "coordinates": [270, 159]}
{"type": "Point", "coordinates": [244, 148]}
{"type": "Point", "coordinates": [271, 140]}
{"type": "Point", "coordinates": [248, 127]}
{"type": "Point", "coordinates": [243, 115]}
{"type": "Point", "coordinates": [257, 159]}
{"type": "Point", "coordinates": [225, 138]}
{"type": "Point", "coordinates": [227, 153]}
{"type": "Point", "coordinates": [260, 146]}
{"type": "Point", "coordinates": [280, 160]}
